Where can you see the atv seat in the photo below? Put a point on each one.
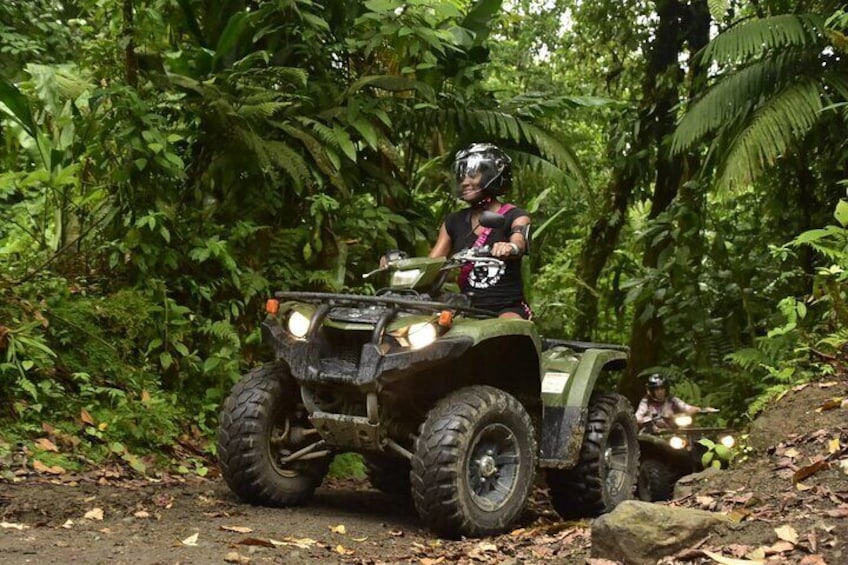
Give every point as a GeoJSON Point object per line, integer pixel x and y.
{"type": "Point", "coordinates": [579, 346]}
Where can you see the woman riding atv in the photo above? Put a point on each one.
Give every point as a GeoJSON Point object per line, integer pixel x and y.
{"type": "Point", "coordinates": [658, 407]}
{"type": "Point", "coordinates": [483, 173]}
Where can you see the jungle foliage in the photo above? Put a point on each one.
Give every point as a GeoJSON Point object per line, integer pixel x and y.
{"type": "Point", "coordinates": [166, 164]}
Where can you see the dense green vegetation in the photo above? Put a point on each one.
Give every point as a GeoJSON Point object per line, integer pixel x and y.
{"type": "Point", "coordinates": [165, 164]}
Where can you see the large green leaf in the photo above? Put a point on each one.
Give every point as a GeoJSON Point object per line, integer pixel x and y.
{"type": "Point", "coordinates": [17, 106]}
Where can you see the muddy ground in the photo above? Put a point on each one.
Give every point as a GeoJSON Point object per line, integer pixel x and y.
{"type": "Point", "coordinates": [798, 478]}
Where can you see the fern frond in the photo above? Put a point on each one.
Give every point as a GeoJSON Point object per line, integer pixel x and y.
{"type": "Point", "coordinates": [784, 118]}
{"type": "Point", "coordinates": [262, 110]}
{"type": "Point", "coordinates": [755, 37]}
{"type": "Point", "coordinates": [287, 159]}
{"type": "Point", "coordinates": [730, 98]}
{"type": "Point", "coordinates": [718, 8]}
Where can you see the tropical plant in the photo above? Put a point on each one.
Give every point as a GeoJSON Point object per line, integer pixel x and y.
{"type": "Point", "coordinates": [778, 77]}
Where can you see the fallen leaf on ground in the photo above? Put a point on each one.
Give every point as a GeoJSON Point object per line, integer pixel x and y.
{"type": "Point", "coordinates": [802, 487]}
{"type": "Point", "coordinates": [595, 561]}
{"type": "Point", "coordinates": [342, 550]}
{"type": "Point", "coordinates": [257, 541]}
{"type": "Point", "coordinates": [46, 445]}
{"type": "Point", "coordinates": [12, 526]}
{"type": "Point", "coordinates": [704, 500]}
{"type": "Point", "coordinates": [86, 417]}
{"type": "Point", "coordinates": [428, 561]}
{"type": "Point", "coordinates": [340, 529]}
{"type": "Point", "coordinates": [830, 404]}
{"type": "Point", "coordinates": [833, 446]}
{"type": "Point", "coordinates": [396, 533]}
{"type": "Point", "coordinates": [730, 560]}
{"type": "Point", "coordinates": [809, 470]}
{"type": "Point", "coordinates": [42, 468]}
{"type": "Point", "coordinates": [235, 557]}
{"type": "Point", "coordinates": [792, 452]}
{"type": "Point", "coordinates": [142, 514]}
{"type": "Point", "coordinates": [779, 547]}
{"type": "Point", "coordinates": [828, 384]}
{"type": "Point", "coordinates": [787, 533]}
{"type": "Point", "coordinates": [237, 529]}
{"type": "Point", "coordinates": [360, 539]}
{"type": "Point", "coordinates": [191, 540]}
{"type": "Point", "coordinates": [68, 524]}
{"type": "Point", "coordinates": [813, 560]}
{"type": "Point", "coordinates": [302, 543]}
{"type": "Point", "coordinates": [94, 514]}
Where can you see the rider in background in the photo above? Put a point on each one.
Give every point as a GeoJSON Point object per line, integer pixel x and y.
{"type": "Point", "coordinates": [483, 173]}
{"type": "Point", "coordinates": [658, 407]}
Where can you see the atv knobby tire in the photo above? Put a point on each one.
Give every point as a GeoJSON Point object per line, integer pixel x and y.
{"type": "Point", "coordinates": [474, 462]}
{"type": "Point", "coordinates": [656, 481]}
{"type": "Point", "coordinates": [608, 465]}
{"type": "Point", "coordinates": [388, 475]}
{"type": "Point", "coordinates": [255, 429]}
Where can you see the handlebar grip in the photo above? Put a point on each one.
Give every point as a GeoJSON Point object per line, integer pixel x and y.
{"type": "Point", "coordinates": [485, 251]}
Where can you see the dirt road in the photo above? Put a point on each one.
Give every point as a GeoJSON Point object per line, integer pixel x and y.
{"type": "Point", "coordinates": [199, 521]}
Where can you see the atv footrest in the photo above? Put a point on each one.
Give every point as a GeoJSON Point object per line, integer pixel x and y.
{"type": "Point", "coordinates": [349, 432]}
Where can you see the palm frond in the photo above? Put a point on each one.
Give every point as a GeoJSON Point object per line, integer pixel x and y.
{"type": "Point", "coordinates": [499, 125]}
{"type": "Point", "coordinates": [780, 121]}
{"type": "Point", "coordinates": [755, 37]}
{"type": "Point", "coordinates": [731, 97]}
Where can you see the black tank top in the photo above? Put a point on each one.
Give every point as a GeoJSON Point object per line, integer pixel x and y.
{"type": "Point", "coordinates": [491, 288]}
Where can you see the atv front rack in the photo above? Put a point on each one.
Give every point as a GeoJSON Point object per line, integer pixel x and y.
{"type": "Point", "coordinates": [390, 301]}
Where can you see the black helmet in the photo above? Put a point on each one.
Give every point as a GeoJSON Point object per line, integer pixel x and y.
{"type": "Point", "coordinates": [656, 381]}
{"type": "Point", "coordinates": [487, 160]}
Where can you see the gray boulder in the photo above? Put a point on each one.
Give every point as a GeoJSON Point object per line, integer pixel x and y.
{"type": "Point", "coordinates": [641, 533]}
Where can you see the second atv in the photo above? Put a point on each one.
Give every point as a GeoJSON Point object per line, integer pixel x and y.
{"type": "Point", "coordinates": [677, 450]}
{"type": "Point", "coordinates": [443, 400]}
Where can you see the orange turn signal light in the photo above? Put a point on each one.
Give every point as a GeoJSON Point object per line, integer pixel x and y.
{"type": "Point", "coordinates": [272, 306]}
{"type": "Point", "coordinates": [445, 318]}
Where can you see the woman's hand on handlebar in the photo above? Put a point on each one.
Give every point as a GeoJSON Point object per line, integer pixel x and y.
{"type": "Point", "coordinates": [502, 249]}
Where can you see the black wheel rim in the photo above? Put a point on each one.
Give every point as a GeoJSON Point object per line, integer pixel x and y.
{"type": "Point", "coordinates": [493, 467]}
{"type": "Point", "coordinates": [617, 457]}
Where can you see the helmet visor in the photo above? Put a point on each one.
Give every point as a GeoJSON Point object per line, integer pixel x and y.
{"type": "Point", "coordinates": [474, 173]}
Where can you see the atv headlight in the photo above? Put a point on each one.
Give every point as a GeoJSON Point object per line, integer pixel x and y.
{"type": "Point", "coordinates": [421, 335]}
{"type": "Point", "coordinates": [677, 442]}
{"type": "Point", "coordinates": [406, 277]}
{"type": "Point", "coordinates": [298, 324]}
{"type": "Point", "coordinates": [728, 441]}
{"type": "Point", "coordinates": [683, 420]}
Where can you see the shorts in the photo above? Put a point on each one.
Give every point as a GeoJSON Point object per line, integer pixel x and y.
{"type": "Point", "coordinates": [520, 308]}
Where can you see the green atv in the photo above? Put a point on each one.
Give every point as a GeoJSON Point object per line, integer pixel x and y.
{"type": "Point", "coordinates": [443, 400]}
{"type": "Point", "coordinates": [672, 448]}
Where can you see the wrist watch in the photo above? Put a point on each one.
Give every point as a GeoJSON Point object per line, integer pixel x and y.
{"type": "Point", "coordinates": [515, 249]}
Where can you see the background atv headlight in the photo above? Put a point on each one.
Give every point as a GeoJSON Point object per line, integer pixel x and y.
{"type": "Point", "coordinates": [298, 324]}
{"type": "Point", "coordinates": [677, 442]}
{"type": "Point", "coordinates": [728, 441]}
{"type": "Point", "coordinates": [405, 278]}
{"type": "Point", "coordinates": [683, 421]}
{"type": "Point", "coordinates": [421, 335]}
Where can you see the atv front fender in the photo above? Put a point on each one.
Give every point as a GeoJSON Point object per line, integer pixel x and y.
{"type": "Point", "coordinates": [567, 385]}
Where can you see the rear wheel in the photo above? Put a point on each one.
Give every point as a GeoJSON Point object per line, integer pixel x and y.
{"type": "Point", "coordinates": [474, 463]}
{"type": "Point", "coordinates": [607, 469]}
{"type": "Point", "coordinates": [656, 481]}
{"type": "Point", "coordinates": [261, 426]}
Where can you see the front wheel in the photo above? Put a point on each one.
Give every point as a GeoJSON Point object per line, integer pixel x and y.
{"type": "Point", "coordinates": [656, 481]}
{"type": "Point", "coordinates": [607, 469]}
{"type": "Point", "coordinates": [474, 463]}
{"type": "Point", "coordinates": [261, 426]}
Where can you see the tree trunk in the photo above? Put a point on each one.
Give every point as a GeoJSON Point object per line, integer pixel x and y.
{"type": "Point", "coordinates": [678, 24]}
{"type": "Point", "coordinates": [130, 56]}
